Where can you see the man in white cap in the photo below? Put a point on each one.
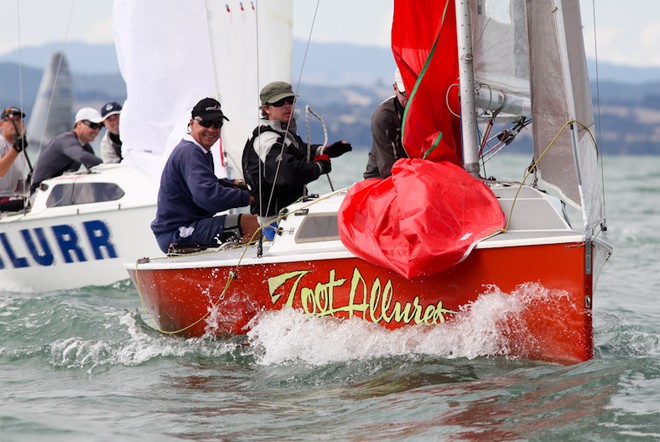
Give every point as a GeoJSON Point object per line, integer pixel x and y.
{"type": "Point", "coordinates": [111, 143]}
{"type": "Point", "coordinates": [67, 151]}
{"type": "Point", "coordinates": [386, 120]}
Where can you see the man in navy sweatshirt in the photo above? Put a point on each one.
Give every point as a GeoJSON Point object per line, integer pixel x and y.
{"type": "Point", "coordinates": [190, 194]}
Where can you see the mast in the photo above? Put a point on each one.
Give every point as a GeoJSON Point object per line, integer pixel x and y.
{"type": "Point", "coordinates": [466, 74]}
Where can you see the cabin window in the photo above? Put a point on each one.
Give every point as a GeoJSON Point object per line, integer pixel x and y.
{"type": "Point", "coordinates": [83, 193]}
{"type": "Point", "coordinates": [318, 227]}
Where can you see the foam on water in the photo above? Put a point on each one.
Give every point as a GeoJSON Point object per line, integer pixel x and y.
{"type": "Point", "coordinates": [480, 329]}
{"type": "Point", "coordinates": [143, 346]}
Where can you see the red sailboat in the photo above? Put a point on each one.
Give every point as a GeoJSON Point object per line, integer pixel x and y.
{"type": "Point", "coordinates": [418, 248]}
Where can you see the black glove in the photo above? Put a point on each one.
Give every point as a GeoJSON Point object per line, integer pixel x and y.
{"type": "Point", "coordinates": [324, 163]}
{"type": "Point", "coordinates": [20, 144]}
{"type": "Point", "coordinates": [337, 148]}
{"type": "Point", "coordinates": [234, 184]}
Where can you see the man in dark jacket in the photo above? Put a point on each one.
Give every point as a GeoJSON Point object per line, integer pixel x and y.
{"type": "Point", "coordinates": [276, 164]}
{"type": "Point", "coordinates": [67, 151]}
{"type": "Point", "coordinates": [386, 133]}
{"type": "Point", "coordinates": [190, 194]}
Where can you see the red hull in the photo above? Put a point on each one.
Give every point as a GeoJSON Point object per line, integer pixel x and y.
{"type": "Point", "coordinates": [180, 299]}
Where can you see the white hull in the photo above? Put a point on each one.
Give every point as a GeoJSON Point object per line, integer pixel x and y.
{"type": "Point", "coordinates": [55, 247]}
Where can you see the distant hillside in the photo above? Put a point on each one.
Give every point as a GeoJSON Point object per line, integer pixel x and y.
{"type": "Point", "coordinates": [344, 84]}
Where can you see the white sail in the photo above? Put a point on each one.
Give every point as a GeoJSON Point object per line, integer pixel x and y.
{"type": "Point", "coordinates": [172, 53]}
{"type": "Point", "coordinates": [53, 108]}
{"type": "Point", "coordinates": [252, 44]}
{"type": "Point", "coordinates": [560, 96]}
{"type": "Point", "coordinates": [163, 52]}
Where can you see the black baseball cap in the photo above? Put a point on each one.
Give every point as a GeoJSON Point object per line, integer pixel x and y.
{"type": "Point", "coordinates": [208, 109]}
{"type": "Point", "coordinates": [11, 110]}
{"type": "Point", "coordinates": [110, 108]}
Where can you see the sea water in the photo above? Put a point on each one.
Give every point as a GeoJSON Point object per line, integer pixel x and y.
{"type": "Point", "coordinates": [84, 365]}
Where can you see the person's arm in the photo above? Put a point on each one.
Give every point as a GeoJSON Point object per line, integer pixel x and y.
{"type": "Point", "coordinates": [81, 155]}
{"type": "Point", "coordinates": [207, 191]}
{"type": "Point", "coordinates": [291, 170]}
{"type": "Point", "coordinates": [7, 160]}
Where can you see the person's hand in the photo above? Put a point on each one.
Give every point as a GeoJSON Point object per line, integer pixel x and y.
{"type": "Point", "coordinates": [20, 144]}
{"type": "Point", "coordinates": [323, 161]}
{"type": "Point", "coordinates": [234, 184]}
{"type": "Point", "coordinates": [337, 148]}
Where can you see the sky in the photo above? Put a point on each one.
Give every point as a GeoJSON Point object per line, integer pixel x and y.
{"type": "Point", "coordinates": [627, 32]}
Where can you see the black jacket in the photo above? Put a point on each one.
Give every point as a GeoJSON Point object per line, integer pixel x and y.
{"type": "Point", "coordinates": [285, 171]}
{"type": "Point", "coordinates": [386, 132]}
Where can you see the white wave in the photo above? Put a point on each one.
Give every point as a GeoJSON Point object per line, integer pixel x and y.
{"type": "Point", "coordinates": [479, 330]}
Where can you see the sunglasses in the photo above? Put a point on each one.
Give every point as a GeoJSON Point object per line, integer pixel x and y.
{"type": "Point", "coordinates": [283, 101]}
{"type": "Point", "coordinates": [207, 124]}
{"type": "Point", "coordinates": [93, 125]}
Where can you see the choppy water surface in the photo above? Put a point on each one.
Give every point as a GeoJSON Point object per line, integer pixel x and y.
{"type": "Point", "coordinates": [84, 365]}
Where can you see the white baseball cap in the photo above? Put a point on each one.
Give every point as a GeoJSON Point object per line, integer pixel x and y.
{"type": "Point", "coordinates": [399, 81]}
{"type": "Point", "coordinates": [90, 114]}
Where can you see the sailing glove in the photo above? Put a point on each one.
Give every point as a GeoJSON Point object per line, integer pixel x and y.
{"type": "Point", "coordinates": [337, 148]}
{"type": "Point", "coordinates": [233, 184]}
{"type": "Point", "coordinates": [20, 143]}
{"type": "Point", "coordinates": [323, 161]}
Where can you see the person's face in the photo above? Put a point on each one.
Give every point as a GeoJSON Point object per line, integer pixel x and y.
{"type": "Point", "coordinates": [281, 110]}
{"type": "Point", "coordinates": [87, 131]}
{"type": "Point", "coordinates": [206, 136]}
{"type": "Point", "coordinates": [9, 129]}
{"type": "Point", "coordinates": [401, 96]}
{"type": "Point", "coordinates": [112, 124]}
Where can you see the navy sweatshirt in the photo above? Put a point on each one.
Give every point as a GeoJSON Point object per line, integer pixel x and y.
{"type": "Point", "coordinates": [189, 189]}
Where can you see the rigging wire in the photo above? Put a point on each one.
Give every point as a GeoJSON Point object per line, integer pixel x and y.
{"type": "Point", "coordinates": [598, 112]}
{"type": "Point", "coordinates": [297, 88]}
{"type": "Point", "coordinates": [57, 71]}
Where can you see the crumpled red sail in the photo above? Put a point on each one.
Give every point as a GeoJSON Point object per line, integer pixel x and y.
{"type": "Point", "coordinates": [422, 220]}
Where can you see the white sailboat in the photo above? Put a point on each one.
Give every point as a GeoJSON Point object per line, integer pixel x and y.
{"type": "Point", "coordinates": [83, 226]}
{"type": "Point", "coordinates": [411, 249]}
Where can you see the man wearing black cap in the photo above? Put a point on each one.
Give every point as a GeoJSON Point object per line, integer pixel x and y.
{"type": "Point", "coordinates": [13, 162]}
{"type": "Point", "coordinates": [276, 164]}
{"type": "Point", "coordinates": [190, 194]}
{"type": "Point", "coordinates": [111, 143]}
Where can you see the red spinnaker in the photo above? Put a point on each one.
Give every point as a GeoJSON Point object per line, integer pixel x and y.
{"type": "Point", "coordinates": [423, 219]}
{"type": "Point", "coordinates": [429, 214]}
{"type": "Point", "coordinates": [425, 47]}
